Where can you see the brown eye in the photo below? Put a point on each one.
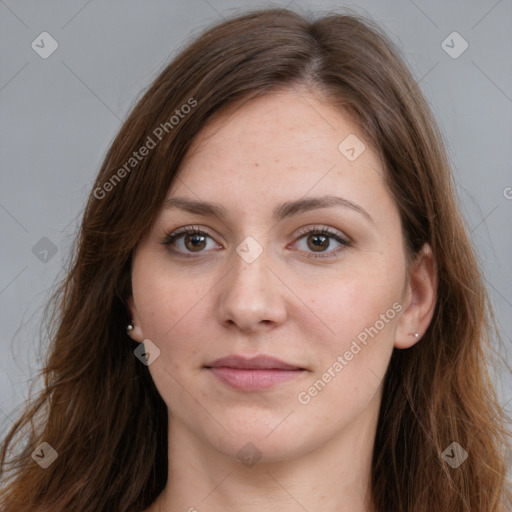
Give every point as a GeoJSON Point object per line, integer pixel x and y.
{"type": "Point", "coordinates": [318, 242]}
{"type": "Point", "coordinates": [321, 242]}
{"type": "Point", "coordinates": [189, 242]}
{"type": "Point", "coordinates": [195, 243]}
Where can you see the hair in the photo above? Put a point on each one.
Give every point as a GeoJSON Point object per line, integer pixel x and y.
{"type": "Point", "coordinates": [99, 408]}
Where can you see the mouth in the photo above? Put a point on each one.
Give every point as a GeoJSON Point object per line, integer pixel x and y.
{"type": "Point", "coordinates": [254, 374]}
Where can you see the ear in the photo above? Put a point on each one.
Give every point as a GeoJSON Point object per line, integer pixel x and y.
{"type": "Point", "coordinates": [419, 299]}
{"type": "Point", "coordinates": [135, 334]}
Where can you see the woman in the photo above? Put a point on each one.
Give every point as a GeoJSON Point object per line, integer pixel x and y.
{"type": "Point", "coordinates": [273, 304]}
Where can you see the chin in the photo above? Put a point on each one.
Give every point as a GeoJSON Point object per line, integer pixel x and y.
{"type": "Point", "coordinates": [265, 441]}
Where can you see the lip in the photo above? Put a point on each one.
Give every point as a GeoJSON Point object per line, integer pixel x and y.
{"type": "Point", "coordinates": [261, 362]}
{"type": "Point", "coordinates": [253, 374]}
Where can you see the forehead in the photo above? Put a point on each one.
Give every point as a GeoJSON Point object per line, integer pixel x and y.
{"type": "Point", "coordinates": [291, 123]}
{"type": "Point", "coordinates": [280, 146]}
{"type": "Point", "coordinates": [289, 127]}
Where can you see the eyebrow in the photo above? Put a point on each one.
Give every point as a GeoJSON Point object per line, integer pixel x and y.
{"type": "Point", "coordinates": [280, 212]}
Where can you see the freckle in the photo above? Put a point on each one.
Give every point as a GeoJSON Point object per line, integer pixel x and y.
{"type": "Point", "coordinates": [257, 164]}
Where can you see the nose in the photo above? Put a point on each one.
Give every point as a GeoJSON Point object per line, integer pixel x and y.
{"type": "Point", "coordinates": [252, 296]}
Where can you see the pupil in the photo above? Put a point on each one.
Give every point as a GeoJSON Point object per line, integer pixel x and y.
{"type": "Point", "coordinates": [322, 244]}
{"type": "Point", "coordinates": [196, 244]}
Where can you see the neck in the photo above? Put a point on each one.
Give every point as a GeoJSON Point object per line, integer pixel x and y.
{"type": "Point", "coordinates": [334, 476]}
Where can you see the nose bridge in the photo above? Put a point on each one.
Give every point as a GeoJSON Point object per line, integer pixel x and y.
{"type": "Point", "coordinates": [249, 275]}
{"type": "Point", "coordinates": [251, 294]}
{"type": "Point", "coordinates": [249, 271]}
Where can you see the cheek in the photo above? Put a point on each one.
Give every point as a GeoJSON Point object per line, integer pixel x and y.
{"type": "Point", "coordinates": [174, 310]}
{"type": "Point", "coordinates": [166, 299]}
{"type": "Point", "coordinates": [168, 306]}
{"type": "Point", "coordinates": [360, 313]}
{"type": "Point", "coordinates": [355, 299]}
{"type": "Point", "coordinates": [352, 362]}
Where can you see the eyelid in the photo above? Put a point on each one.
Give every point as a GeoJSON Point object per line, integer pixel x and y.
{"type": "Point", "coordinates": [325, 229]}
{"type": "Point", "coordinates": [188, 229]}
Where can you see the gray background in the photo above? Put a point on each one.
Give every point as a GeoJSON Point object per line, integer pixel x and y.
{"type": "Point", "coordinates": [59, 115]}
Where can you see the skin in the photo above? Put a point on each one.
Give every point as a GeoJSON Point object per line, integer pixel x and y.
{"type": "Point", "coordinates": [280, 147]}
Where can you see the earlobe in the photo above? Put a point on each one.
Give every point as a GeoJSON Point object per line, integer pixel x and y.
{"type": "Point", "coordinates": [133, 329]}
{"type": "Point", "coordinates": [419, 298]}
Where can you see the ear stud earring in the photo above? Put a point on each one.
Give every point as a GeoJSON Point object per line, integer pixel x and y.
{"type": "Point", "coordinates": [129, 327]}
{"type": "Point", "coordinates": [415, 334]}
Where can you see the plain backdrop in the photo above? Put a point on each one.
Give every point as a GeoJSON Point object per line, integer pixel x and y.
{"type": "Point", "coordinates": [60, 113]}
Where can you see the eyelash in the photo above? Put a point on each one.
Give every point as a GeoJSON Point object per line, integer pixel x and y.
{"type": "Point", "coordinates": [324, 231]}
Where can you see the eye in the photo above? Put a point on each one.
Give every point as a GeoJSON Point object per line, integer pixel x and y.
{"type": "Point", "coordinates": [190, 241]}
{"type": "Point", "coordinates": [187, 241]}
{"type": "Point", "coordinates": [318, 240]}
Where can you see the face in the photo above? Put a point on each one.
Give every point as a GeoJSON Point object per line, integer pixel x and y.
{"type": "Point", "coordinates": [274, 270]}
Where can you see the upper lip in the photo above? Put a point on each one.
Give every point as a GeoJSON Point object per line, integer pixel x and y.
{"type": "Point", "coordinates": [253, 363]}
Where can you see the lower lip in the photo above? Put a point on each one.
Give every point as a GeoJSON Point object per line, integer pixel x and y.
{"type": "Point", "coordinates": [253, 380]}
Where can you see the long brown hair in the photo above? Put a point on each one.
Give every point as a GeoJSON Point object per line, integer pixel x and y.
{"type": "Point", "coordinates": [99, 409]}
